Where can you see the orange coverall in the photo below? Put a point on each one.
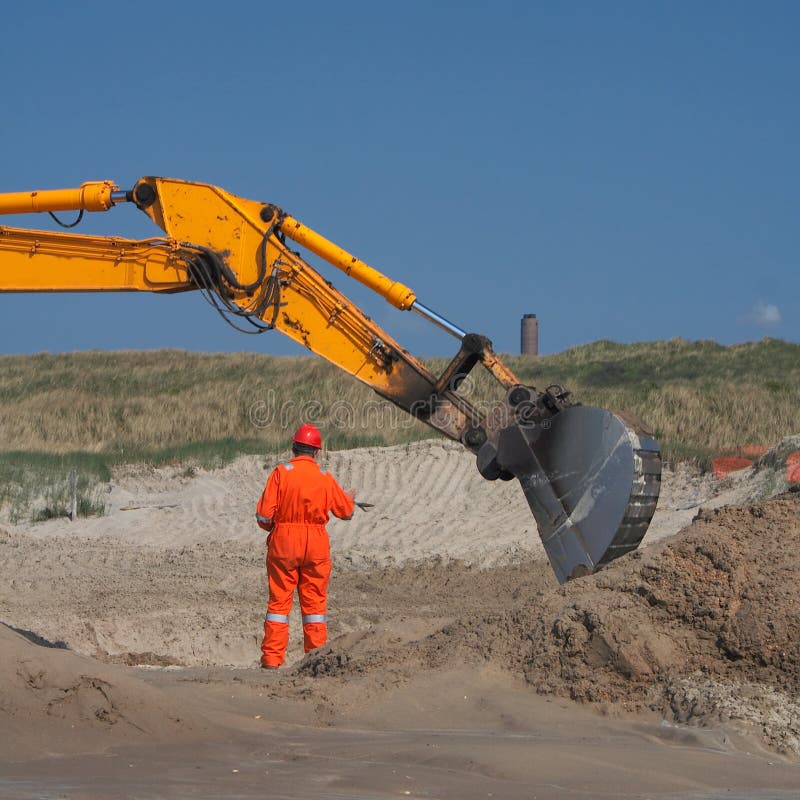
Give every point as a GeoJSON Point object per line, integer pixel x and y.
{"type": "Point", "coordinates": [294, 507]}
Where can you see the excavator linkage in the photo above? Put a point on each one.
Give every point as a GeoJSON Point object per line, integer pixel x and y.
{"type": "Point", "coordinates": [591, 477]}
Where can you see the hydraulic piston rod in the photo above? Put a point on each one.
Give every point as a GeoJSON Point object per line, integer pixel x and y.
{"type": "Point", "coordinates": [90, 196]}
{"type": "Point", "coordinates": [395, 292]}
{"type": "Point", "coordinates": [436, 319]}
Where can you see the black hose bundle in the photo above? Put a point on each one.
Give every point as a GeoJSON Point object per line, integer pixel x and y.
{"type": "Point", "coordinates": [218, 285]}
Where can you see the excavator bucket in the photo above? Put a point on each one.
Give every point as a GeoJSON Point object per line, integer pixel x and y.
{"type": "Point", "coordinates": [591, 479]}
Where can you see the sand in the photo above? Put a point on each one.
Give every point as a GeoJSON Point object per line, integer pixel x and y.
{"type": "Point", "coordinates": [457, 666]}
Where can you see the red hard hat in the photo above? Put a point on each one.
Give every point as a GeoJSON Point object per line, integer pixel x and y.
{"type": "Point", "coordinates": [308, 434]}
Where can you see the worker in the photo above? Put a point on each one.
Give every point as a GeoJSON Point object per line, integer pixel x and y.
{"type": "Point", "coordinates": [293, 510]}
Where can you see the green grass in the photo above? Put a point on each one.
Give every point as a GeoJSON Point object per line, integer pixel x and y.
{"type": "Point", "coordinates": [95, 410]}
{"type": "Point", "coordinates": [35, 486]}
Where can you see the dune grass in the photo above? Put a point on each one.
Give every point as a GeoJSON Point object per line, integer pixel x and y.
{"type": "Point", "coordinates": [35, 486]}
{"type": "Point", "coordinates": [94, 410]}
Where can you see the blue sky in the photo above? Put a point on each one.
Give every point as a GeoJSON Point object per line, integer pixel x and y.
{"type": "Point", "coordinates": [625, 170]}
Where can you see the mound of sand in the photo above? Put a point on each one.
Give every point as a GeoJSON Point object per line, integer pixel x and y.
{"type": "Point", "coordinates": [703, 629]}
{"type": "Point", "coordinates": [429, 500]}
{"type": "Point", "coordinates": [55, 702]}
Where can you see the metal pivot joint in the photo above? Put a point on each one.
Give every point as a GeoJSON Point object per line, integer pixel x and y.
{"type": "Point", "coordinates": [144, 195]}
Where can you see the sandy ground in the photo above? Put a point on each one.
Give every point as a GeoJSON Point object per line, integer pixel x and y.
{"type": "Point", "coordinates": [457, 667]}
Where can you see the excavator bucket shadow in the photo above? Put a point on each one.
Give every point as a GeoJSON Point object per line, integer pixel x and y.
{"type": "Point", "coordinates": [591, 479]}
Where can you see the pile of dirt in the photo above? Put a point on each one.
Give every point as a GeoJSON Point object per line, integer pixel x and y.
{"type": "Point", "coordinates": [53, 701]}
{"type": "Point", "coordinates": [702, 629]}
{"type": "Point", "coordinates": [716, 606]}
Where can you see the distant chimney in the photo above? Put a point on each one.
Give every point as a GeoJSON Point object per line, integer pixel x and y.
{"type": "Point", "coordinates": [530, 335]}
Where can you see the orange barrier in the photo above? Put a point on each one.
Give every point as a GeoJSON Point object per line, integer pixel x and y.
{"type": "Point", "coordinates": [745, 458]}
{"type": "Point", "coordinates": [726, 464]}
{"type": "Point", "coordinates": [793, 467]}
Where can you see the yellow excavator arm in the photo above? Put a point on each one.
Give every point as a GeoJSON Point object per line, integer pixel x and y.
{"type": "Point", "coordinates": [590, 477]}
{"type": "Point", "coordinates": [235, 251]}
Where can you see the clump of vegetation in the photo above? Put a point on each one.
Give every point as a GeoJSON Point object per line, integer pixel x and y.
{"type": "Point", "coordinates": [57, 502]}
{"type": "Point", "coordinates": [36, 486]}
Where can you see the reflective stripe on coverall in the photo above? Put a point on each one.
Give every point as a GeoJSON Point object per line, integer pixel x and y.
{"type": "Point", "coordinates": [298, 498]}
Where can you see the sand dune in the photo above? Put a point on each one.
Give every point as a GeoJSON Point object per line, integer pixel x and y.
{"type": "Point", "coordinates": [429, 501]}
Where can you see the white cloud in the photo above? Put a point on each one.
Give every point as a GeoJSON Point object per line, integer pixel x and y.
{"type": "Point", "coordinates": [763, 314]}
